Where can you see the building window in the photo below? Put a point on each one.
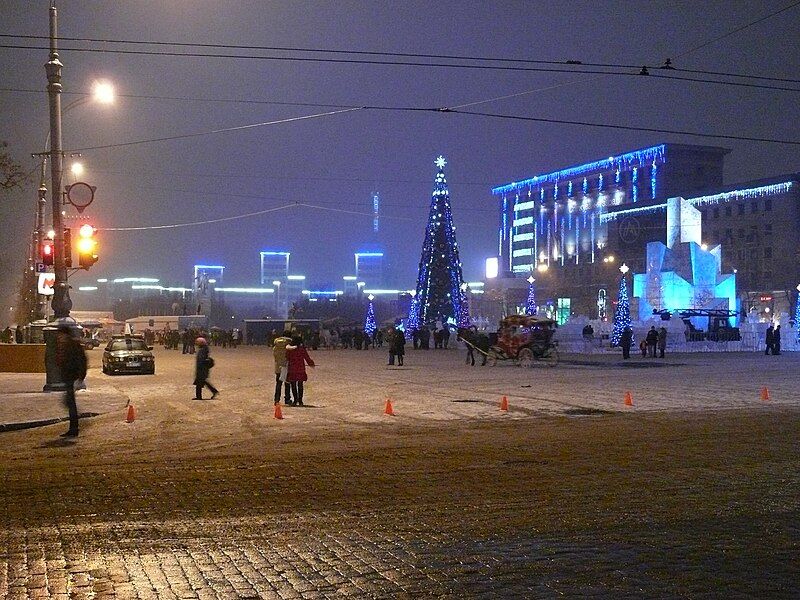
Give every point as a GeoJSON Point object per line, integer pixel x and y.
{"type": "Point", "coordinates": [768, 277]}
{"type": "Point", "coordinates": [754, 207]}
{"type": "Point", "coordinates": [729, 234]}
{"type": "Point", "coordinates": [768, 229]}
{"type": "Point", "coordinates": [716, 213]}
{"type": "Point", "coordinates": [754, 253]}
{"type": "Point", "coordinates": [740, 255]}
{"type": "Point", "coordinates": [728, 211]}
{"type": "Point", "coordinates": [563, 310]}
{"type": "Point", "coordinates": [740, 209]}
{"type": "Point", "coordinates": [767, 252]}
{"type": "Point", "coordinates": [768, 204]}
{"type": "Point", "coordinates": [740, 233]}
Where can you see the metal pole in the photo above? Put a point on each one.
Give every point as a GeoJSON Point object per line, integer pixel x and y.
{"type": "Point", "coordinates": [61, 302]}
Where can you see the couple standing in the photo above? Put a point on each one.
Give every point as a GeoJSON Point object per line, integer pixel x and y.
{"type": "Point", "coordinates": [291, 358]}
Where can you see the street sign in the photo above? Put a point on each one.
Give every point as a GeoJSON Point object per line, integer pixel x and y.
{"type": "Point", "coordinates": [80, 195]}
{"type": "Point", "coordinates": [46, 283]}
{"type": "Point", "coordinates": [40, 267]}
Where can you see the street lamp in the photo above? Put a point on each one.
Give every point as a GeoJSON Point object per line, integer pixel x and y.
{"type": "Point", "coordinates": [77, 169]}
{"type": "Point", "coordinates": [624, 269]}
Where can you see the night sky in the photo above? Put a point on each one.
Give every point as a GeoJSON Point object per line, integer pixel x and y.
{"type": "Point", "coordinates": [337, 161]}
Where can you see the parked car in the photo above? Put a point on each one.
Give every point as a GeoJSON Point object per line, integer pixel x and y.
{"type": "Point", "coordinates": [128, 354]}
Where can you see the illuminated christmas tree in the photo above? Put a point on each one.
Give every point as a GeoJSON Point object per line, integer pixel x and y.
{"type": "Point", "coordinates": [439, 296]}
{"type": "Point", "coordinates": [622, 315]}
{"type": "Point", "coordinates": [530, 303]}
{"type": "Point", "coordinates": [369, 324]}
{"type": "Point", "coordinates": [797, 314]}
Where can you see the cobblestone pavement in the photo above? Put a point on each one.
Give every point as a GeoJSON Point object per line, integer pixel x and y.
{"type": "Point", "coordinates": [692, 492]}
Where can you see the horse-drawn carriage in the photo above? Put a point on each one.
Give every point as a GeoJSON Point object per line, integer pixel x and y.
{"type": "Point", "coordinates": [525, 340]}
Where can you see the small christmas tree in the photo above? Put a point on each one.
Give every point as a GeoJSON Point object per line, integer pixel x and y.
{"type": "Point", "coordinates": [369, 324]}
{"type": "Point", "coordinates": [797, 314]}
{"type": "Point", "coordinates": [439, 296]}
{"type": "Point", "coordinates": [530, 303]}
{"type": "Point", "coordinates": [622, 316]}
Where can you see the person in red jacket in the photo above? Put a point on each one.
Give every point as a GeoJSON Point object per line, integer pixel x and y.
{"type": "Point", "coordinates": [297, 358]}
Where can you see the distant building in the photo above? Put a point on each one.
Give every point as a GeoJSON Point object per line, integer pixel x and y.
{"type": "Point", "coordinates": [369, 268]}
{"type": "Point", "coordinates": [274, 266]}
{"type": "Point", "coordinates": [574, 227]}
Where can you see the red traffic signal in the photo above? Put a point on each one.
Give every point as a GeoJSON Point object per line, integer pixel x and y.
{"type": "Point", "coordinates": [47, 252]}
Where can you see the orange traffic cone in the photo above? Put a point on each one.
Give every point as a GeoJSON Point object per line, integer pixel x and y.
{"type": "Point", "coordinates": [278, 413]}
{"type": "Point", "coordinates": [504, 403]}
{"type": "Point", "coordinates": [628, 399]}
{"type": "Point", "coordinates": [388, 410]}
{"type": "Point", "coordinates": [765, 393]}
{"type": "Point", "coordinates": [131, 417]}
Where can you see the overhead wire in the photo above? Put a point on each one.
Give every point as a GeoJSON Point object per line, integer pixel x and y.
{"type": "Point", "coordinates": [567, 67]}
{"type": "Point", "coordinates": [450, 111]}
{"type": "Point", "coordinates": [737, 29]}
{"type": "Point", "coordinates": [214, 131]}
{"type": "Point", "coordinates": [429, 56]}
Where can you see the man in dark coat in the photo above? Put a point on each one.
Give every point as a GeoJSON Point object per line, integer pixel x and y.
{"type": "Point", "coordinates": [652, 342]}
{"type": "Point", "coordinates": [71, 361]}
{"type": "Point", "coordinates": [398, 347]}
{"type": "Point", "coordinates": [625, 342]}
{"type": "Point", "coordinates": [203, 364]}
{"type": "Point", "coordinates": [769, 340]}
{"type": "Point", "coordinates": [776, 340]}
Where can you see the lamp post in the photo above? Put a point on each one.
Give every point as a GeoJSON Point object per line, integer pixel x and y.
{"type": "Point", "coordinates": [102, 93]}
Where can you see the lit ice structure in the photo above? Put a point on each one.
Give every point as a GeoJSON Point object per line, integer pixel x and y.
{"type": "Point", "coordinates": [682, 274]}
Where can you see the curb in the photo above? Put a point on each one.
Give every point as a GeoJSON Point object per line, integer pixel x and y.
{"type": "Point", "coordinates": [42, 423]}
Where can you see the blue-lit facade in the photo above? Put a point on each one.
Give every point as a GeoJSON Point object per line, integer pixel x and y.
{"type": "Point", "coordinates": [574, 227]}
{"type": "Point", "coordinates": [555, 218]}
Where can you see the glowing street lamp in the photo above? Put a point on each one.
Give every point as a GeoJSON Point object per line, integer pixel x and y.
{"type": "Point", "coordinates": [103, 92]}
{"type": "Point", "coordinates": [77, 169]}
{"type": "Point", "coordinates": [624, 269]}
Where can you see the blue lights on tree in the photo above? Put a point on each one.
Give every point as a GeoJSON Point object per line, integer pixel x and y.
{"type": "Point", "coordinates": [797, 314]}
{"type": "Point", "coordinates": [530, 302]}
{"type": "Point", "coordinates": [439, 295]}
{"type": "Point", "coordinates": [622, 315]}
{"type": "Point", "coordinates": [369, 324]}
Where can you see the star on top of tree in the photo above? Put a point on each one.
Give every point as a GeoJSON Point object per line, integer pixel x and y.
{"type": "Point", "coordinates": [440, 162]}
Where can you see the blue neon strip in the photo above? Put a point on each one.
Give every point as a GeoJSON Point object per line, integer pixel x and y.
{"type": "Point", "coordinates": [625, 161]}
{"type": "Point", "coordinates": [743, 194]}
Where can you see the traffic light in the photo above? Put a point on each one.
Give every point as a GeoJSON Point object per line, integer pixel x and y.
{"type": "Point", "coordinates": [47, 251]}
{"type": "Point", "coordinates": [67, 247]}
{"type": "Point", "coordinates": [87, 246]}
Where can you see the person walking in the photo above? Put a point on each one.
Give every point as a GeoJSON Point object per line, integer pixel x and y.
{"type": "Point", "coordinates": [72, 364]}
{"type": "Point", "coordinates": [445, 337]}
{"type": "Point", "coordinates": [662, 341]}
{"type": "Point", "coordinates": [652, 341]}
{"type": "Point", "coordinates": [297, 358]}
{"type": "Point", "coordinates": [281, 367]}
{"type": "Point", "coordinates": [626, 341]}
{"type": "Point", "coordinates": [776, 340]}
{"type": "Point", "coordinates": [769, 340]}
{"type": "Point", "coordinates": [398, 346]}
{"type": "Point", "coordinates": [390, 338]}
{"type": "Point", "coordinates": [202, 367]}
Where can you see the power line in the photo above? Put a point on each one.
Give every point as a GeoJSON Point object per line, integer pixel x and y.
{"type": "Point", "coordinates": [626, 73]}
{"type": "Point", "coordinates": [630, 128]}
{"type": "Point", "coordinates": [213, 131]}
{"type": "Point", "coordinates": [737, 30]}
{"type": "Point", "coordinates": [417, 55]}
{"type": "Point", "coordinates": [451, 111]}
{"type": "Point", "coordinates": [197, 223]}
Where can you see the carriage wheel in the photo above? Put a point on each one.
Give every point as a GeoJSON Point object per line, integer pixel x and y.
{"type": "Point", "coordinates": [525, 357]}
{"type": "Point", "coordinates": [550, 356]}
